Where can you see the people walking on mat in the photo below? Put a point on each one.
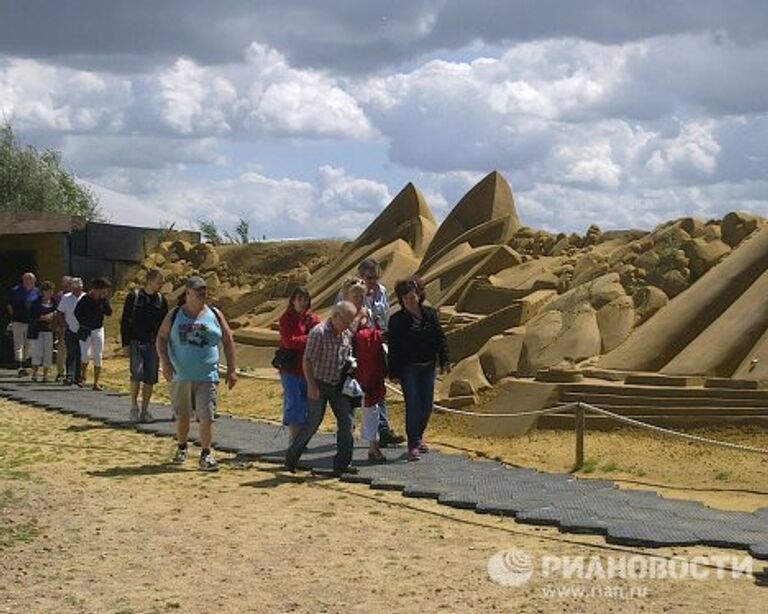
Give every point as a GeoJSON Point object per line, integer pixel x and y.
{"type": "Point", "coordinates": [325, 361]}
{"type": "Point", "coordinates": [143, 313]}
{"type": "Point", "coordinates": [90, 312]}
{"type": "Point", "coordinates": [188, 347]}
{"type": "Point", "coordinates": [417, 346]}
{"type": "Point", "coordinates": [295, 324]}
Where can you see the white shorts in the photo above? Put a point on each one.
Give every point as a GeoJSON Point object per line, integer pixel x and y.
{"type": "Point", "coordinates": [42, 350]}
{"type": "Point", "coordinates": [93, 347]}
{"type": "Point", "coordinates": [20, 344]}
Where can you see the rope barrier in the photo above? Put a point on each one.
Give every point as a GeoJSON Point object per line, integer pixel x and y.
{"type": "Point", "coordinates": [660, 429]}
{"type": "Point", "coordinates": [475, 414]}
{"type": "Point", "coordinates": [571, 406]}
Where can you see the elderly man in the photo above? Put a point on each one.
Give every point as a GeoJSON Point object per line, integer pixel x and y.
{"type": "Point", "coordinates": [66, 310]}
{"type": "Point", "coordinates": [20, 301]}
{"type": "Point", "coordinates": [329, 346]}
{"type": "Point", "coordinates": [377, 301]}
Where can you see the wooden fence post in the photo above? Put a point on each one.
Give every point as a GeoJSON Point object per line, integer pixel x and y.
{"type": "Point", "coordinates": [580, 427]}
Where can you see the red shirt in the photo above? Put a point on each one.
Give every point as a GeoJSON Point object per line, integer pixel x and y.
{"type": "Point", "coordinates": [294, 328]}
{"type": "Point", "coordinates": [371, 365]}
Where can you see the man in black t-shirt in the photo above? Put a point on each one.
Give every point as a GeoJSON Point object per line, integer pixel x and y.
{"type": "Point", "coordinates": [144, 311]}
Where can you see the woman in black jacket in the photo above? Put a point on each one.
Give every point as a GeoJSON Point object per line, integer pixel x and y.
{"type": "Point", "coordinates": [417, 345]}
{"type": "Point", "coordinates": [90, 312]}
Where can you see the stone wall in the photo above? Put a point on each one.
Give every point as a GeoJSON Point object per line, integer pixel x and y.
{"type": "Point", "coordinates": [116, 251]}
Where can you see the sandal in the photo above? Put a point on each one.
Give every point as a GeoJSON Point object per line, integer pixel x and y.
{"type": "Point", "coordinates": [98, 387]}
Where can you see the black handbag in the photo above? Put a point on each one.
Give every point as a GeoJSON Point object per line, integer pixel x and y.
{"type": "Point", "coordinates": [33, 331]}
{"type": "Point", "coordinates": [83, 332]}
{"type": "Point", "coordinates": [285, 359]}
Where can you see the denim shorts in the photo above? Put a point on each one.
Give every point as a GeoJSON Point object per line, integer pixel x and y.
{"type": "Point", "coordinates": [144, 362]}
{"type": "Point", "coordinates": [294, 398]}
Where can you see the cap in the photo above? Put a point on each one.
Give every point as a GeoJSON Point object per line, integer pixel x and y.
{"type": "Point", "coordinates": [195, 283]}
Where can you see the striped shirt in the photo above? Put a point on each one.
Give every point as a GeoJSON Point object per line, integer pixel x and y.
{"type": "Point", "coordinates": [327, 352]}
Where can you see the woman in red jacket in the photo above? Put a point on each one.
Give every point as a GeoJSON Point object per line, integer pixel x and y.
{"type": "Point", "coordinates": [295, 325]}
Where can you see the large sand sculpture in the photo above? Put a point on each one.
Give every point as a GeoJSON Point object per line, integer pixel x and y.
{"type": "Point", "coordinates": [684, 299]}
{"type": "Point", "coordinates": [711, 329]}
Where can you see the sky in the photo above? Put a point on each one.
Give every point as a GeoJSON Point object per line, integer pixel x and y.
{"type": "Point", "coordinates": [306, 118]}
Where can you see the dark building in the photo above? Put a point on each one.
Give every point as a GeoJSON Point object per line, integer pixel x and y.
{"type": "Point", "coordinates": [55, 245]}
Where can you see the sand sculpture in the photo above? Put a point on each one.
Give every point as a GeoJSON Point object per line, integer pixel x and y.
{"type": "Point", "coordinates": [685, 298]}
{"type": "Point", "coordinates": [711, 329]}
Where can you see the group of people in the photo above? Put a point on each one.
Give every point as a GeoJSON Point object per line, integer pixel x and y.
{"type": "Point", "coordinates": [71, 320]}
{"type": "Point", "coordinates": [343, 361]}
{"type": "Point", "coordinates": [346, 360]}
{"type": "Point", "coordinates": [183, 342]}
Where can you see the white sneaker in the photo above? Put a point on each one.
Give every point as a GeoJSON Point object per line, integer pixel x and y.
{"type": "Point", "coordinates": [180, 456]}
{"type": "Point", "coordinates": [208, 463]}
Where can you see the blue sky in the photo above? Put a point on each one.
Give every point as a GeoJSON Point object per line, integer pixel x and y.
{"type": "Point", "coordinates": [306, 118]}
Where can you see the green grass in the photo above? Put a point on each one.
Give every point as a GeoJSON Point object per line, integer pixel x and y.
{"type": "Point", "coordinates": [23, 532]}
{"type": "Point", "coordinates": [589, 466]}
{"type": "Point", "coordinates": [10, 532]}
{"type": "Point", "coordinates": [14, 474]}
{"type": "Point", "coordinates": [722, 475]}
{"type": "Point", "coordinates": [610, 467]}
{"type": "Point", "coordinates": [6, 498]}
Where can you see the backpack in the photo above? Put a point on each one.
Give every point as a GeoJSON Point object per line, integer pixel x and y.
{"type": "Point", "coordinates": [136, 303]}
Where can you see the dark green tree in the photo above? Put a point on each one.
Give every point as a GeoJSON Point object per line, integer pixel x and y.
{"type": "Point", "coordinates": [243, 231]}
{"type": "Point", "coordinates": [210, 232]}
{"type": "Point", "coordinates": [33, 180]}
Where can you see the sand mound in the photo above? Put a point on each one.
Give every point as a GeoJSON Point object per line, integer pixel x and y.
{"type": "Point", "coordinates": [685, 298]}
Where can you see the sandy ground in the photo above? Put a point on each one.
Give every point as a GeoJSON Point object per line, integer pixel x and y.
{"type": "Point", "coordinates": [95, 520]}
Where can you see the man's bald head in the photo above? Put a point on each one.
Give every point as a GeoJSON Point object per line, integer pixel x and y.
{"type": "Point", "coordinates": [28, 280]}
{"type": "Point", "coordinates": [342, 315]}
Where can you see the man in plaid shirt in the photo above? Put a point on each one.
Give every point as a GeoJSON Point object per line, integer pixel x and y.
{"type": "Point", "coordinates": [329, 346]}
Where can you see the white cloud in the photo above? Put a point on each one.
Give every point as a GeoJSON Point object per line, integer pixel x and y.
{"type": "Point", "coordinates": [194, 99]}
{"type": "Point", "coordinates": [262, 95]}
{"type": "Point", "coordinates": [693, 151]}
{"type": "Point", "coordinates": [37, 96]}
{"type": "Point", "coordinates": [286, 101]}
{"type": "Point", "coordinates": [339, 191]}
{"type": "Point", "coordinates": [623, 134]}
{"type": "Point", "coordinates": [335, 204]}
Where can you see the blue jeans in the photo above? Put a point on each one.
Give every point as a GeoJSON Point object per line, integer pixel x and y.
{"type": "Point", "coordinates": [418, 383]}
{"type": "Point", "coordinates": [383, 418]}
{"type": "Point", "coordinates": [294, 398]}
{"type": "Point", "coordinates": [343, 412]}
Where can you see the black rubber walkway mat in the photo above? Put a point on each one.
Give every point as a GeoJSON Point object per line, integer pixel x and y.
{"type": "Point", "coordinates": [629, 517]}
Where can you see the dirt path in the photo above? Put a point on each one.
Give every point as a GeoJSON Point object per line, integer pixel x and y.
{"type": "Point", "coordinates": [94, 520]}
